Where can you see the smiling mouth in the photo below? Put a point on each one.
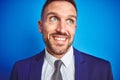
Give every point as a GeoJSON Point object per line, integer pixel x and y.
{"type": "Point", "coordinates": [60, 39]}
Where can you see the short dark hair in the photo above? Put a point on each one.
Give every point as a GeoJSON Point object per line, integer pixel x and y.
{"type": "Point", "coordinates": [49, 1]}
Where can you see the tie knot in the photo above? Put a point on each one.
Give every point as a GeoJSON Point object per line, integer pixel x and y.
{"type": "Point", "coordinates": [58, 64]}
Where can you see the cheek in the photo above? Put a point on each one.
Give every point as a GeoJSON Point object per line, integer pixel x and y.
{"type": "Point", "coordinates": [72, 31]}
{"type": "Point", "coordinates": [49, 27]}
{"type": "Point", "coordinates": [47, 30]}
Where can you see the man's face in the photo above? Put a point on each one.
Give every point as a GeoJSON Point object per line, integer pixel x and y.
{"type": "Point", "coordinates": [58, 26]}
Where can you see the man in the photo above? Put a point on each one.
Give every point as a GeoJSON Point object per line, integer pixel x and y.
{"type": "Point", "coordinates": [58, 25]}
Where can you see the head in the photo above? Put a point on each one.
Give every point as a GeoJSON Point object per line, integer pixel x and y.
{"type": "Point", "coordinates": [49, 1]}
{"type": "Point", "coordinates": [58, 25]}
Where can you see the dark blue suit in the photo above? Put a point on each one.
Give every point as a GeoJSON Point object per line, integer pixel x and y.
{"type": "Point", "coordinates": [87, 67]}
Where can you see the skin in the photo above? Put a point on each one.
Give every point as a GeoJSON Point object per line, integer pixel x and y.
{"type": "Point", "coordinates": [58, 27]}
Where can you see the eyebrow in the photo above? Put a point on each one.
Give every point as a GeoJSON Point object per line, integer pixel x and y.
{"type": "Point", "coordinates": [73, 16]}
{"type": "Point", "coordinates": [53, 13]}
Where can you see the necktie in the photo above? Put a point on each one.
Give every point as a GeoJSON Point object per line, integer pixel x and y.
{"type": "Point", "coordinates": [57, 74]}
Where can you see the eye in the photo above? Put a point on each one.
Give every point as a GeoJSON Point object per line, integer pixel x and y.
{"type": "Point", "coordinates": [53, 19]}
{"type": "Point", "coordinates": [70, 21]}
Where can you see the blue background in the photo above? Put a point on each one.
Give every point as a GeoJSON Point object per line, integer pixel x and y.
{"type": "Point", "coordinates": [98, 31]}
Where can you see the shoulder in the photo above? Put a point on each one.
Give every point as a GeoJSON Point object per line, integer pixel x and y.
{"type": "Point", "coordinates": [97, 67]}
{"type": "Point", "coordinates": [91, 59]}
{"type": "Point", "coordinates": [22, 67]}
{"type": "Point", "coordinates": [26, 62]}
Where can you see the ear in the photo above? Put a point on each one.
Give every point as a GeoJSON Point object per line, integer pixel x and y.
{"type": "Point", "coordinates": [40, 26]}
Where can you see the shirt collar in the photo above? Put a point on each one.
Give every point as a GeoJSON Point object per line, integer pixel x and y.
{"type": "Point", "coordinates": [66, 59]}
{"type": "Point", "coordinates": [51, 59]}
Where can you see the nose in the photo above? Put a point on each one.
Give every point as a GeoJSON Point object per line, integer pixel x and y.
{"type": "Point", "coordinates": [61, 27]}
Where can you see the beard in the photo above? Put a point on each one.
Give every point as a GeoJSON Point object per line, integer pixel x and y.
{"type": "Point", "coordinates": [57, 49]}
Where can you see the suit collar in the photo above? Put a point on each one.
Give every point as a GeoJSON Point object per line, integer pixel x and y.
{"type": "Point", "coordinates": [36, 66]}
{"type": "Point", "coordinates": [81, 66]}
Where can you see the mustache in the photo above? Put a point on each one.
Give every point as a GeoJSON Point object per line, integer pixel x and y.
{"type": "Point", "coordinates": [59, 33]}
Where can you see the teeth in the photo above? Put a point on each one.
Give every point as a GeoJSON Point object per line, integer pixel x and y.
{"type": "Point", "coordinates": [58, 38]}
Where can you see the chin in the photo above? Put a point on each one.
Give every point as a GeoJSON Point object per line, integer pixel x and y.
{"type": "Point", "coordinates": [60, 49]}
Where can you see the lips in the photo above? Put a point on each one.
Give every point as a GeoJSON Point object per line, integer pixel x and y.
{"type": "Point", "coordinates": [60, 39]}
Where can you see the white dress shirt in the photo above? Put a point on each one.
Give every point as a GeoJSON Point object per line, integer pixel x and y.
{"type": "Point", "coordinates": [67, 68]}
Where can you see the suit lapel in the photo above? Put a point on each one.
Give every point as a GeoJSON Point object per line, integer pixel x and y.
{"type": "Point", "coordinates": [81, 67]}
{"type": "Point", "coordinates": [36, 66]}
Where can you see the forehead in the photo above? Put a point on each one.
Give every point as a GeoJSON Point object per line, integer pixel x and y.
{"type": "Point", "coordinates": [61, 8]}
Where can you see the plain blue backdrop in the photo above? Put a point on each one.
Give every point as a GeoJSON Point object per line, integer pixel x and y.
{"type": "Point", "coordinates": [98, 31]}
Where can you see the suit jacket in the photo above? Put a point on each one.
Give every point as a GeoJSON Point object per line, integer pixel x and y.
{"type": "Point", "coordinates": [87, 67]}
